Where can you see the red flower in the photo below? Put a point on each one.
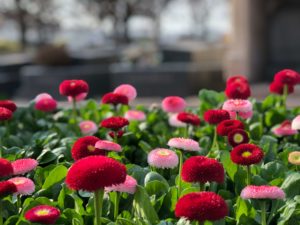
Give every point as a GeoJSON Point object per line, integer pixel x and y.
{"type": "Point", "coordinates": [286, 76]}
{"type": "Point", "coordinates": [46, 105]}
{"type": "Point", "coordinates": [8, 104]}
{"type": "Point", "coordinates": [119, 133]}
{"type": "Point", "coordinates": [246, 154]}
{"type": "Point", "coordinates": [95, 172]}
{"type": "Point", "coordinates": [277, 88]}
{"type": "Point", "coordinates": [237, 79]}
{"type": "Point", "coordinates": [44, 214]}
{"type": "Point", "coordinates": [114, 99]}
{"type": "Point", "coordinates": [6, 168]}
{"type": "Point", "coordinates": [114, 123]}
{"type": "Point", "coordinates": [201, 206]}
{"type": "Point", "coordinates": [226, 126]}
{"type": "Point", "coordinates": [238, 90]}
{"type": "Point", "coordinates": [189, 118]}
{"type": "Point", "coordinates": [73, 87]}
{"type": "Point", "coordinates": [7, 188]}
{"type": "Point", "coordinates": [5, 114]}
{"type": "Point", "coordinates": [84, 147]}
{"type": "Point", "coordinates": [202, 169]}
{"type": "Point", "coordinates": [237, 137]}
{"type": "Point", "coordinates": [215, 116]}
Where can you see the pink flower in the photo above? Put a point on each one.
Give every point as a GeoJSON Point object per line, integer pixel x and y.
{"type": "Point", "coordinates": [296, 123]}
{"type": "Point", "coordinates": [24, 185]}
{"type": "Point", "coordinates": [42, 96]}
{"type": "Point", "coordinates": [162, 158]}
{"type": "Point", "coordinates": [135, 115]}
{"type": "Point", "coordinates": [129, 186]}
{"type": "Point", "coordinates": [240, 106]}
{"type": "Point", "coordinates": [173, 104]}
{"type": "Point", "coordinates": [108, 146]}
{"type": "Point", "coordinates": [262, 192]}
{"type": "Point", "coordinates": [88, 127]}
{"type": "Point", "coordinates": [42, 214]}
{"type": "Point", "coordinates": [284, 129]}
{"type": "Point", "coordinates": [22, 166]}
{"type": "Point", "coordinates": [127, 90]}
{"type": "Point", "coordinates": [46, 105]}
{"type": "Point", "coordinates": [174, 122]}
{"type": "Point", "coordinates": [78, 98]}
{"type": "Point", "coordinates": [184, 144]}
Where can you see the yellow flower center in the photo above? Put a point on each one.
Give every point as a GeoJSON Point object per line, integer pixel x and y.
{"type": "Point", "coordinates": [238, 138]}
{"type": "Point", "coordinates": [163, 153]}
{"type": "Point", "coordinates": [18, 181]}
{"type": "Point", "coordinates": [246, 154]}
{"type": "Point", "coordinates": [91, 148]}
{"type": "Point", "coordinates": [42, 212]}
{"type": "Point", "coordinates": [86, 126]}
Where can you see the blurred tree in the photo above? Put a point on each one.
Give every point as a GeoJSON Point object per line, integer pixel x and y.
{"type": "Point", "coordinates": [36, 14]}
{"type": "Point", "coordinates": [120, 11]}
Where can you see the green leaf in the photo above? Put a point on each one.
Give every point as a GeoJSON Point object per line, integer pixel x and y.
{"type": "Point", "coordinates": [55, 176]}
{"type": "Point", "coordinates": [291, 185]}
{"type": "Point", "coordinates": [230, 167]}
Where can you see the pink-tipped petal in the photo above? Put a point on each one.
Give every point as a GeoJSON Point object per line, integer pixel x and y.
{"type": "Point", "coordinates": [24, 185]}
{"type": "Point", "coordinates": [127, 90]}
{"type": "Point", "coordinates": [162, 158]}
{"type": "Point", "coordinates": [262, 192]}
{"type": "Point", "coordinates": [108, 146]}
{"type": "Point", "coordinates": [78, 98]}
{"type": "Point", "coordinates": [237, 105]}
{"type": "Point", "coordinates": [22, 166]}
{"type": "Point", "coordinates": [184, 144]}
{"type": "Point", "coordinates": [42, 96]}
{"type": "Point", "coordinates": [129, 186]}
{"type": "Point", "coordinates": [137, 115]}
{"type": "Point", "coordinates": [284, 129]}
{"type": "Point", "coordinates": [296, 123]}
{"type": "Point", "coordinates": [174, 122]}
{"type": "Point", "coordinates": [173, 104]}
{"type": "Point", "coordinates": [88, 127]}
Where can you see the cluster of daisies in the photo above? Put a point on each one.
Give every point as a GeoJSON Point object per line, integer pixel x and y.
{"type": "Point", "coordinates": [96, 170]}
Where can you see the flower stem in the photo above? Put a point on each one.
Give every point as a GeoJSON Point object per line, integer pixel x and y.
{"type": "Point", "coordinates": [284, 96]}
{"type": "Point", "coordinates": [1, 209]}
{"type": "Point", "coordinates": [98, 202]}
{"type": "Point", "coordinates": [263, 213]}
{"type": "Point", "coordinates": [74, 110]}
{"type": "Point", "coordinates": [215, 144]}
{"type": "Point", "coordinates": [116, 206]}
{"type": "Point", "coordinates": [248, 175]}
{"type": "Point", "coordinates": [201, 187]}
{"type": "Point", "coordinates": [179, 171]}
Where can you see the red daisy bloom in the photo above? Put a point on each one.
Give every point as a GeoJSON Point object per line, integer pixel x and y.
{"type": "Point", "coordinates": [238, 90]}
{"type": "Point", "coordinates": [44, 214]}
{"type": "Point", "coordinates": [246, 154]}
{"type": "Point", "coordinates": [201, 206]}
{"type": "Point", "coordinates": [85, 146]}
{"type": "Point", "coordinates": [8, 104]}
{"type": "Point", "coordinates": [189, 118]}
{"type": "Point", "coordinates": [215, 116]}
{"type": "Point", "coordinates": [5, 114]}
{"type": "Point", "coordinates": [73, 87]}
{"type": "Point", "coordinates": [277, 88]}
{"type": "Point", "coordinates": [237, 137]}
{"type": "Point", "coordinates": [114, 123]}
{"type": "Point", "coordinates": [237, 79]}
{"type": "Point", "coordinates": [286, 76]}
{"type": "Point", "coordinates": [46, 105]}
{"type": "Point", "coordinates": [227, 126]}
{"type": "Point", "coordinates": [7, 188]}
{"type": "Point", "coordinates": [202, 169]}
{"type": "Point", "coordinates": [95, 172]}
{"type": "Point", "coordinates": [115, 99]}
{"type": "Point", "coordinates": [6, 168]}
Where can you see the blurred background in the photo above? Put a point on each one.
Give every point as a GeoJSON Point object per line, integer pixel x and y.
{"type": "Point", "coordinates": [162, 47]}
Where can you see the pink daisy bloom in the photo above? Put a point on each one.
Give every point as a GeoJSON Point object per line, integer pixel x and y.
{"type": "Point", "coordinates": [162, 158]}
{"type": "Point", "coordinates": [174, 122]}
{"type": "Point", "coordinates": [42, 96]}
{"type": "Point", "coordinates": [126, 89]}
{"type": "Point", "coordinates": [237, 105]}
{"type": "Point", "coordinates": [262, 192]}
{"type": "Point", "coordinates": [43, 214]}
{"type": "Point", "coordinates": [129, 186]}
{"type": "Point", "coordinates": [173, 104]}
{"type": "Point", "coordinates": [296, 123]}
{"type": "Point", "coordinates": [284, 129]}
{"type": "Point", "coordinates": [135, 115]}
{"type": "Point", "coordinates": [184, 144]}
{"type": "Point", "coordinates": [78, 98]}
{"type": "Point", "coordinates": [108, 146]}
{"type": "Point", "coordinates": [24, 185]}
{"type": "Point", "coordinates": [88, 127]}
{"type": "Point", "coordinates": [46, 105]}
{"type": "Point", "coordinates": [22, 166]}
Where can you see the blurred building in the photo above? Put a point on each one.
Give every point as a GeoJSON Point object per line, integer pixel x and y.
{"type": "Point", "coordinates": [264, 39]}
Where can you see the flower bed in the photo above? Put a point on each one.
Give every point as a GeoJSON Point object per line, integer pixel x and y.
{"type": "Point", "coordinates": [228, 161]}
